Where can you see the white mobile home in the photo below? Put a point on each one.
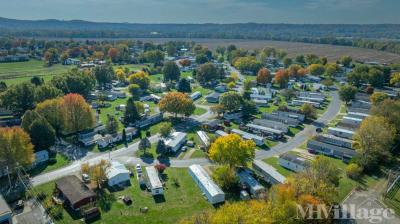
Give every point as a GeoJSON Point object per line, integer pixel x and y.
{"type": "Point", "coordinates": [211, 190]}
{"type": "Point", "coordinates": [351, 120]}
{"type": "Point", "coordinates": [248, 136]}
{"type": "Point", "coordinates": [358, 115]}
{"type": "Point", "coordinates": [154, 182]}
{"type": "Point", "coordinates": [117, 174]}
{"type": "Point", "coordinates": [312, 95]}
{"type": "Point", "coordinates": [301, 102]}
{"type": "Point", "coordinates": [250, 182]}
{"type": "Point", "coordinates": [340, 132]}
{"type": "Point", "coordinates": [196, 95]}
{"type": "Point", "coordinates": [288, 114]}
{"type": "Point", "coordinates": [204, 138]}
{"type": "Point", "coordinates": [292, 122]}
{"type": "Point", "coordinates": [220, 133]}
{"type": "Point", "coordinates": [293, 162]}
{"type": "Point", "coordinates": [312, 99]}
{"type": "Point", "coordinates": [175, 141]}
{"type": "Point", "coordinates": [272, 124]}
{"type": "Point", "coordinates": [269, 173]}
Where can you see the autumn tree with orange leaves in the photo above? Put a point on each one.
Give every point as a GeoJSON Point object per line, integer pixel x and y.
{"type": "Point", "coordinates": [177, 103]}
{"type": "Point", "coordinates": [264, 76]}
{"type": "Point", "coordinates": [282, 78]}
{"type": "Point", "coordinates": [77, 113]}
{"type": "Point", "coordinates": [113, 54]}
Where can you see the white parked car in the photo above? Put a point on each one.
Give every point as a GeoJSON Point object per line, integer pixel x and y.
{"type": "Point", "coordinates": [138, 168]}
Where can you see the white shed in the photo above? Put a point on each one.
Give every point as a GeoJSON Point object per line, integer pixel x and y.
{"type": "Point", "coordinates": [117, 174]}
{"type": "Point", "coordinates": [211, 190]}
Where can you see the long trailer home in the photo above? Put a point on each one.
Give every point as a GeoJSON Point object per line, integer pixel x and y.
{"type": "Point", "coordinates": [318, 147]}
{"type": "Point", "coordinates": [247, 179]}
{"type": "Point", "coordinates": [248, 136]}
{"type": "Point", "coordinates": [205, 140]}
{"type": "Point", "coordinates": [292, 122]}
{"type": "Point", "coordinates": [301, 102]}
{"type": "Point", "coordinates": [213, 193]}
{"type": "Point", "coordinates": [352, 120]}
{"type": "Point", "coordinates": [312, 99]}
{"type": "Point", "coordinates": [289, 114]}
{"type": "Point", "coordinates": [334, 140]}
{"type": "Point", "coordinates": [272, 124]}
{"type": "Point", "coordinates": [154, 182]}
{"type": "Point", "coordinates": [265, 131]}
{"type": "Point", "coordinates": [357, 115]}
{"type": "Point", "coordinates": [341, 132]}
{"type": "Point", "coordinates": [268, 173]}
{"type": "Point", "coordinates": [312, 95]}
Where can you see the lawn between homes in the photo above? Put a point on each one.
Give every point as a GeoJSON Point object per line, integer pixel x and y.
{"type": "Point", "coordinates": [182, 199]}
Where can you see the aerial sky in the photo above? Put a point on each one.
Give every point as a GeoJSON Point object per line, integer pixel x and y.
{"type": "Point", "coordinates": [207, 11]}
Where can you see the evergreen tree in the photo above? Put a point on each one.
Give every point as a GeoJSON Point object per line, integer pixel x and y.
{"type": "Point", "coordinates": [131, 112]}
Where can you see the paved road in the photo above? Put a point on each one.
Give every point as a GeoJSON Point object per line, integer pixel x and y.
{"type": "Point", "coordinates": [127, 155]}
{"type": "Point", "coordinates": [309, 130]}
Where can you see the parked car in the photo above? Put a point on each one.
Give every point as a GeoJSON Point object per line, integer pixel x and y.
{"type": "Point", "coordinates": [85, 178]}
{"type": "Point", "coordinates": [138, 168]}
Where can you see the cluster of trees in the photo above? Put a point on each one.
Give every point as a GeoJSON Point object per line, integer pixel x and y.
{"type": "Point", "coordinates": [376, 76]}
{"type": "Point", "coordinates": [376, 137]}
{"type": "Point", "coordinates": [208, 72]}
{"type": "Point", "coordinates": [233, 101]}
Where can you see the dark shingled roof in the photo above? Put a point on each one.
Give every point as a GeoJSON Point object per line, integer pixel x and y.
{"type": "Point", "coordinates": [74, 189]}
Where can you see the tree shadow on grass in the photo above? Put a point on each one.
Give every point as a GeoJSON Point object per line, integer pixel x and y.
{"type": "Point", "coordinates": [159, 198]}
{"type": "Point", "coordinates": [105, 199]}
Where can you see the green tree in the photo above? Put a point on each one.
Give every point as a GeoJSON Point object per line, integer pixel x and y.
{"type": "Point", "coordinates": [75, 81]}
{"type": "Point", "coordinates": [144, 144]}
{"type": "Point", "coordinates": [389, 110]}
{"type": "Point", "coordinates": [287, 62]}
{"type": "Point", "coordinates": [184, 86]}
{"type": "Point", "coordinates": [3, 86]}
{"type": "Point", "coordinates": [354, 171]}
{"type": "Point", "coordinates": [19, 97]}
{"type": "Point", "coordinates": [52, 112]}
{"type": "Point", "coordinates": [247, 64]}
{"type": "Point", "coordinates": [45, 92]}
{"type": "Point", "coordinates": [225, 177]}
{"type": "Point", "coordinates": [140, 78]}
{"type": "Point", "coordinates": [42, 134]}
{"type": "Point", "coordinates": [104, 74]}
{"type": "Point", "coordinates": [309, 111]}
{"type": "Point", "coordinates": [165, 129]}
{"type": "Point", "coordinates": [373, 141]}
{"type": "Point", "coordinates": [112, 124]}
{"type": "Point", "coordinates": [51, 56]}
{"type": "Point", "coordinates": [135, 91]}
{"type": "Point", "coordinates": [394, 80]}
{"type": "Point", "coordinates": [346, 61]}
{"type": "Point", "coordinates": [378, 97]}
{"type": "Point", "coordinates": [37, 81]}
{"type": "Point", "coordinates": [171, 71]}
{"type": "Point", "coordinates": [131, 112]}
{"type": "Point", "coordinates": [206, 73]}
{"type": "Point", "coordinates": [347, 93]}
{"type": "Point", "coordinates": [231, 101]}
{"type": "Point", "coordinates": [249, 108]}
{"type": "Point", "coordinates": [316, 69]}
{"type": "Point", "coordinates": [78, 116]}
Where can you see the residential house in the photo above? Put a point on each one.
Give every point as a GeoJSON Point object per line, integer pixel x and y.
{"type": "Point", "coordinates": [72, 61]}
{"type": "Point", "coordinates": [196, 95]}
{"type": "Point", "coordinates": [334, 140]}
{"type": "Point", "coordinates": [175, 141]}
{"type": "Point", "coordinates": [213, 193]}
{"type": "Point", "coordinates": [289, 114]}
{"type": "Point", "coordinates": [293, 162]}
{"type": "Point", "coordinates": [117, 174]}
{"type": "Point", "coordinates": [74, 192]}
{"type": "Point", "coordinates": [150, 120]}
{"type": "Point", "coordinates": [221, 88]}
{"type": "Point", "coordinates": [301, 102]}
{"type": "Point", "coordinates": [213, 97]}
{"type": "Point", "coordinates": [357, 115]}
{"type": "Point", "coordinates": [233, 116]}
{"type": "Point", "coordinates": [205, 140]}
{"type": "Point", "coordinates": [220, 133]}
{"type": "Point", "coordinates": [212, 125]}
{"type": "Point", "coordinates": [352, 120]}
{"type": "Point", "coordinates": [268, 173]}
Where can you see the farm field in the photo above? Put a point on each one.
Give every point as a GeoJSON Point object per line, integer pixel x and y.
{"type": "Point", "coordinates": [294, 48]}
{"type": "Point", "coordinates": [16, 72]}
{"type": "Point", "coordinates": [182, 198]}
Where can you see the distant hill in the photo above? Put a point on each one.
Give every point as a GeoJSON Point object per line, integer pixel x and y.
{"type": "Point", "coordinates": [80, 28]}
{"type": "Point", "coordinates": [384, 37]}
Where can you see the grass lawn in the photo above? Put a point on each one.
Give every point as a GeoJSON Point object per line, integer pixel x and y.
{"type": "Point", "coordinates": [392, 199]}
{"type": "Point", "coordinates": [16, 72]}
{"type": "Point", "coordinates": [182, 200]}
{"type": "Point", "coordinates": [111, 110]}
{"type": "Point", "coordinates": [198, 154]}
{"type": "Point", "coordinates": [199, 111]}
{"type": "Point", "coordinates": [61, 162]}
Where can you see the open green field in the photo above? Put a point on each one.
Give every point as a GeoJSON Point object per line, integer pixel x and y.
{"type": "Point", "coordinates": [17, 72]}
{"type": "Point", "coordinates": [392, 199]}
{"type": "Point", "coordinates": [182, 198]}
{"type": "Point", "coordinates": [61, 161]}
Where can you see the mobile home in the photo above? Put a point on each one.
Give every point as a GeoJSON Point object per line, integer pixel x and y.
{"type": "Point", "coordinates": [250, 182]}
{"type": "Point", "coordinates": [248, 136]}
{"type": "Point", "coordinates": [213, 193]}
{"type": "Point", "coordinates": [268, 173]}
{"type": "Point", "coordinates": [154, 182]}
{"type": "Point", "coordinates": [293, 162]}
{"type": "Point", "coordinates": [340, 132]}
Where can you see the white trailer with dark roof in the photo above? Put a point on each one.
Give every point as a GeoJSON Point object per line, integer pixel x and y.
{"type": "Point", "coordinates": [213, 193]}
{"type": "Point", "coordinates": [205, 140]}
{"type": "Point", "coordinates": [154, 182]}
{"type": "Point", "coordinates": [269, 173]}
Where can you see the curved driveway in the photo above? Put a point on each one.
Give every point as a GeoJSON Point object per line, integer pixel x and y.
{"type": "Point", "coordinates": [127, 155]}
